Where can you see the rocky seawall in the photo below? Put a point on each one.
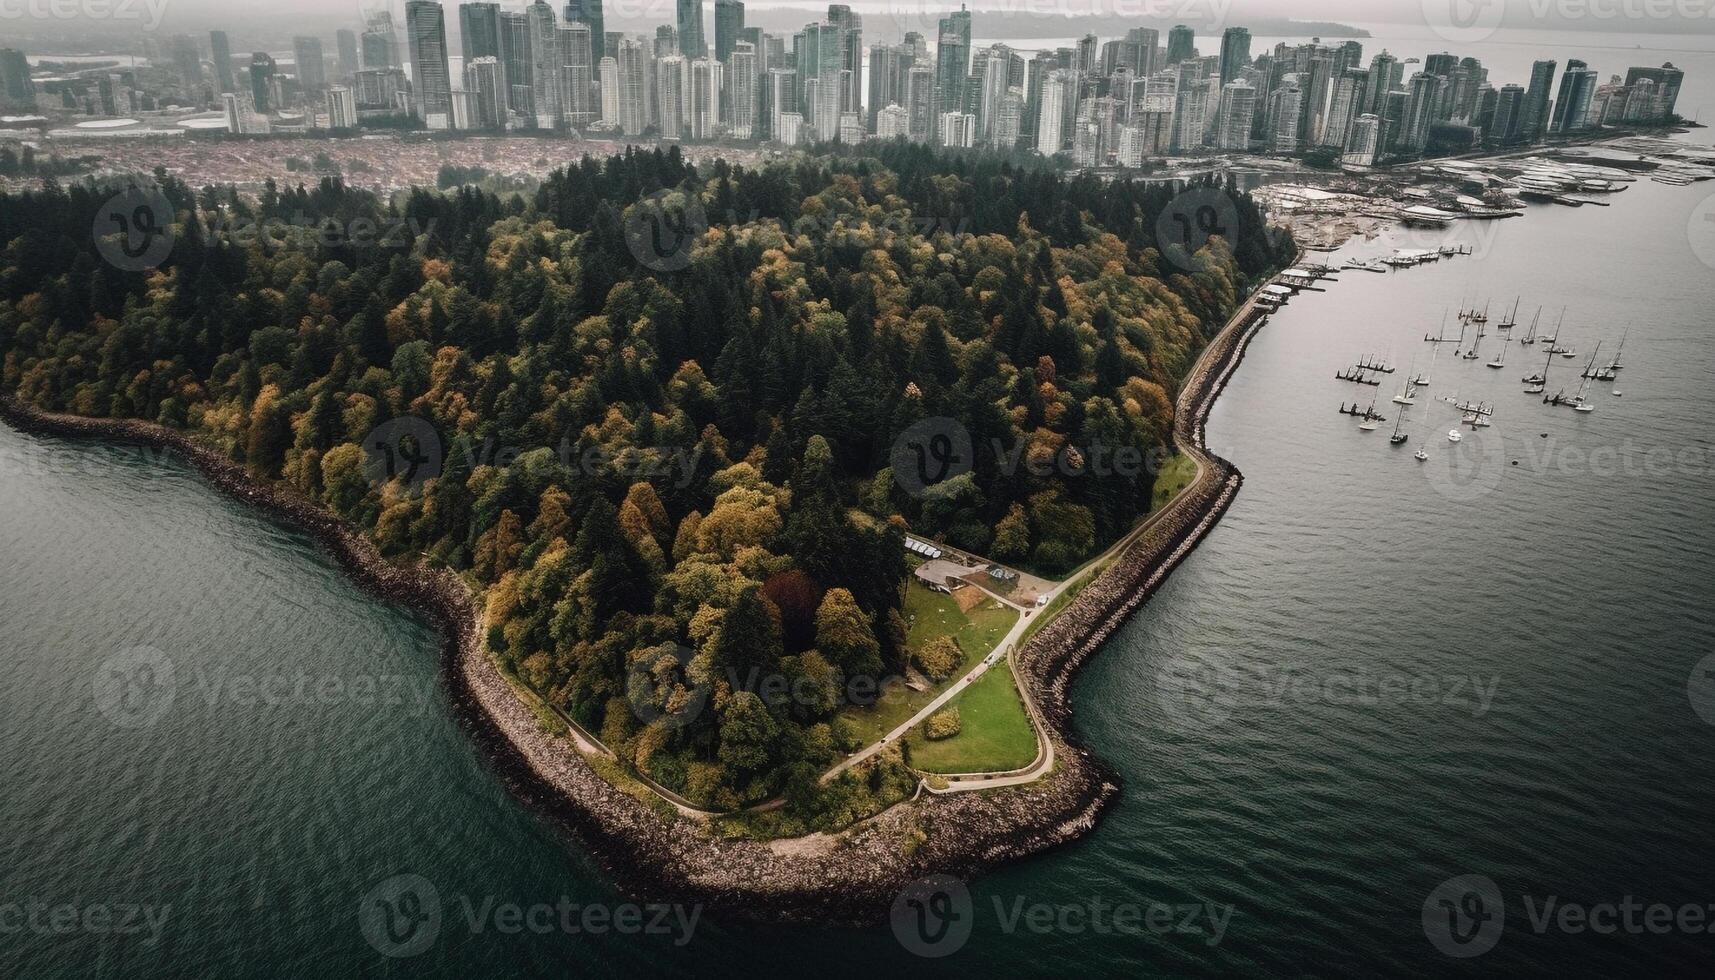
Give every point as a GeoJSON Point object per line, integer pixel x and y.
{"type": "Point", "coordinates": [850, 878]}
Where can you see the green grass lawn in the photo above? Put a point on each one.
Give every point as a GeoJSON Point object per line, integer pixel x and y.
{"type": "Point", "coordinates": [929, 614]}
{"type": "Point", "coordinates": [995, 735]}
{"type": "Point", "coordinates": [1175, 476]}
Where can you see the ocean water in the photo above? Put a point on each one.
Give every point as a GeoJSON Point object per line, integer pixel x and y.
{"type": "Point", "coordinates": [1375, 677]}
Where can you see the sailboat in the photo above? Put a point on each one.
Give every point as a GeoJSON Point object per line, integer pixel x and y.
{"type": "Point", "coordinates": [1482, 317]}
{"type": "Point", "coordinates": [1422, 380]}
{"type": "Point", "coordinates": [1530, 335]}
{"type": "Point", "coordinates": [1550, 339]}
{"type": "Point", "coordinates": [1511, 319]}
{"type": "Point", "coordinates": [1580, 404]}
{"type": "Point", "coordinates": [1371, 419]}
{"type": "Point", "coordinates": [1500, 360]}
{"type": "Point", "coordinates": [1406, 390]}
{"type": "Point", "coordinates": [1614, 365]}
{"type": "Point", "coordinates": [1421, 455]}
{"type": "Point", "coordinates": [1399, 435]}
{"type": "Point", "coordinates": [1471, 354]}
{"type": "Point", "coordinates": [1535, 384]}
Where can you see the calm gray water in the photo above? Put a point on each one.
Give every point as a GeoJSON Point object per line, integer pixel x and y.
{"type": "Point", "coordinates": [1375, 675]}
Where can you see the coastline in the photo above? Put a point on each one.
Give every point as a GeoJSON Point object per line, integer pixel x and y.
{"type": "Point", "coordinates": [849, 877]}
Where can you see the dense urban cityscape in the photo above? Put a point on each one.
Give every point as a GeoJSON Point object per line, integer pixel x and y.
{"type": "Point", "coordinates": [1101, 103]}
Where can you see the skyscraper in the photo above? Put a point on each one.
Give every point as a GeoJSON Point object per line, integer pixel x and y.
{"type": "Point", "coordinates": [485, 86]}
{"type": "Point", "coordinates": [345, 44]}
{"type": "Point", "coordinates": [517, 64]}
{"type": "Point", "coordinates": [545, 64]}
{"type": "Point", "coordinates": [1055, 90]}
{"type": "Point", "coordinates": [479, 31]}
{"type": "Point", "coordinates": [1181, 42]}
{"type": "Point", "coordinates": [307, 53]}
{"type": "Point", "coordinates": [261, 81]}
{"type": "Point", "coordinates": [1238, 103]}
{"type": "Point", "coordinates": [342, 108]}
{"type": "Point", "coordinates": [17, 91]}
{"type": "Point", "coordinates": [952, 63]}
{"type": "Point", "coordinates": [590, 12]}
{"type": "Point", "coordinates": [1533, 118]}
{"type": "Point", "coordinates": [1572, 108]}
{"type": "Point", "coordinates": [729, 24]}
{"type": "Point", "coordinates": [1235, 54]}
{"type": "Point", "coordinates": [379, 42]}
{"type": "Point", "coordinates": [221, 53]}
{"type": "Point", "coordinates": [633, 86]}
{"type": "Point", "coordinates": [690, 23]}
{"type": "Point", "coordinates": [431, 79]}
{"type": "Point", "coordinates": [577, 74]}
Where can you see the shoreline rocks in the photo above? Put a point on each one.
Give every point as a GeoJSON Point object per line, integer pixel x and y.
{"type": "Point", "coordinates": [663, 858]}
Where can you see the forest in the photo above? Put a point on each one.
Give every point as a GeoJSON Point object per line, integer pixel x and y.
{"type": "Point", "coordinates": [671, 479]}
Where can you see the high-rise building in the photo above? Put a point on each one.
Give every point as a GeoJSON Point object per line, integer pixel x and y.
{"type": "Point", "coordinates": [893, 122]}
{"type": "Point", "coordinates": [1235, 54]}
{"type": "Point", "coordinates": [307, 53]}
{"type": "Point", "coordinates": [634, 96]}
{"type": "Point", "coordinates": [1363, 144]}
{"type": "Point", "coordinates": [1572, 107]}
{"type": "Point", "coordinates": [952, 64]}
{"type": "Point", "coordinates": [342, 108]}
{"type": "Point", "coordinates": [380, 43]}
{"type": "Point", "coordinates": [1138, 51]}
{"type": "Point", "coordinates": [261, 82]}
{"type": "Point", "coordinates": [1421, 92]}
{"type": "Point", "coordinates": [958, 129]}
{"type": "Point", "coordinates": [485, 90]}
{"type": "Point", "coordinates": [1665, 82]}
{"type": "Point", "coordinates": [1287, 110]}
{"type": "Point", "coordinates": [1238, 104]}
{"type": "Point", "coordinates": [1533, 118]}
{"type": "Point", "coordinates": [1056, 88]}
{"type": "Point", "coordinates": [345, 46]}
{"type": "Point", "coordinates": [729, 24]}
{"type": "Point", "coordinates": [690, 26]}
{"type": "Point", "coordinates": [545, 61]}
{"type": "Point", "coordinates": [577, 74]}
{"type": "Point", "coordinates": [1181, 44]}
{"type": "Point", "coordinates": [431, 76]}
{"type": "Point", "coordinates": [672, 91]}
{"type": "Point", "coordinates": [608, 74]}
{"type": "Point", "coordinates": [782, 100]}
{"type": "Point", "coordinates": [17, 91]}
{"type": "Point", "coordinates": [1385, 74]}
{"type": "Point", "coordinates": [220, 51]}
{"type": "Point", "coordinates": [479, 31]}
{"type": "Point", "coordinates": [744, 96]}
{"type": "Point", "coordinates": [920, 102]}
{"type": "Point", "coordinates": [590, 12]}
{"type": "Point", "coordinates": [1351, 94]}
{"type": "Point", "coordinates": [518, 63]}
{"type": "Point", "coordinates": [188, 62]}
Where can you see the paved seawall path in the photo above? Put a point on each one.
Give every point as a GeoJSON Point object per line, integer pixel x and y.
{"type": "Point", "coordinates": [651, 851]}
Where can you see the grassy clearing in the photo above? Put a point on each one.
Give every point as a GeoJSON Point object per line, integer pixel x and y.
{"type": "Point", "coordinates": [996, 735]}
{"type": "Point", "coordinates": [1175, 476]}
{"type": "Point", "coordinates": [929, 614]}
